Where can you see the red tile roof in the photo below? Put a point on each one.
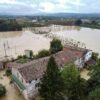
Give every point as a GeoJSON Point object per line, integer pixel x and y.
{"type": "Point", "coordinates": [36, 68]}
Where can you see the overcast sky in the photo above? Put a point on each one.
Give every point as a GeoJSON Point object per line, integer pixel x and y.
{"type": "Point", "coordinates": [49, 6]}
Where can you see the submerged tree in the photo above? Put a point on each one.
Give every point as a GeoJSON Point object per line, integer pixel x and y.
{"type": "Point", "coordinates": [51, 84]}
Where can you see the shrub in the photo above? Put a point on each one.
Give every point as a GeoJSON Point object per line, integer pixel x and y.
{"type": "Point", "coordinates": [43, 53]}
{"type": "Point", "coordinates": [2, 90]}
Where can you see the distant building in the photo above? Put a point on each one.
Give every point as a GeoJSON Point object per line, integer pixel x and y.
{"type": "Point", "coordinates": [86, 21]}
{"type": "Point", "coordinates": [34, 20]}
{"type": "Point", "coordinates": [27, 75]}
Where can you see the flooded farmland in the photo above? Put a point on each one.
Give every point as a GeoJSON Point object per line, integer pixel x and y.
{"type": "Point", "coordinates": [90, 37]}
{"type": "Point", "coordinates": [13, 44]}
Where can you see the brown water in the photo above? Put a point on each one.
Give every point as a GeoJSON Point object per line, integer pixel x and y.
{"type": "Point", "coordinates": [12, 92]}
{"type": "Point", "coordinates": [90, 37]}
{"type": "Point", "coordinates": [16, 42]}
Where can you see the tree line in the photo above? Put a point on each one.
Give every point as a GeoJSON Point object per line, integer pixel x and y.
{"type": "Point", "coordinates": [10, 25]}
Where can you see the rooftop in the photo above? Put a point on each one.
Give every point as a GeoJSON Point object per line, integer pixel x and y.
{"type": "Point", "coordinates": [36, 68]}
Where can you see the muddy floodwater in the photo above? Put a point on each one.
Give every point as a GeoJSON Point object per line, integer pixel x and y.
{"type": "Point", "coordinates": [12, 92]}
{"type": "Point", "coordinates": [13, 44]}
{"type": "Point", "coordinates": [90, 37]}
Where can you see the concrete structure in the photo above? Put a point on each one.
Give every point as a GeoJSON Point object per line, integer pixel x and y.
{"type": "Point", "coordinates": [27, 53]}
{"type": "Point", "coordinates": [29, 74]}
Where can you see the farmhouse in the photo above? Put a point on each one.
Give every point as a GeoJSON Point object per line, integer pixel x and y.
{"type": "Point", "coordinates": [27, 75]}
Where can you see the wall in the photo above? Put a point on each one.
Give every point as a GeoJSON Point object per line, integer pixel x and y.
{"type": "Point", "coordinates": [88, 55]}
{"type": "Point", "coordinates": [18, 75]}
{"type": "Point", "coordinates": [31, 88]}
{"type": "Point", "coordinates": [79, 63]}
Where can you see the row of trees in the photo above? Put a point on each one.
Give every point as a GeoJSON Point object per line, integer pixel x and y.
{"type": "Point", "coordinates": [68, 84]}
{"type": "Point", "coordinates": [9, 25]}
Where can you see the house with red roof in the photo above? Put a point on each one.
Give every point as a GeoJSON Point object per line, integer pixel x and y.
{"type": "Point", "coordinates": [27, 75]}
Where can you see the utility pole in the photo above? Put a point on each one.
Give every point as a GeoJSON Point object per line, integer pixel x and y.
{"type": "Point", "coordinates": [5, 49]}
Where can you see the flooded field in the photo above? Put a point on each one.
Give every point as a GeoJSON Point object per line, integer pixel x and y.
{"type": "Point", "coordinates": [12, 92]}
{"type": "Point", "coordinates": [13, 44]}
{"type": "Point", "coordinates": [90, 37]}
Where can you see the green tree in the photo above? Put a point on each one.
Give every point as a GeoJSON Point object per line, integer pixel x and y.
{"type": "Point", "coordinates": [74, 85]}
{"type": "Point", "coordinates": [94, 95]}
{"type": "Point", "coordinates": [95, 56]}
{"type": "Point", "coordinates": [2, 90]}
{"type": "Point", "coordinates": [43, 53]}
{"type": "Point", "coordinates": [94, 22]}
{"type": "Point", "coordinates": [94, 81]}
{"type": "Point", "coordinates": [78, 22]}
{"type": "Point", "coordinates": [55, 46]}
{"type": "Point", "coordinates": [51, 84]}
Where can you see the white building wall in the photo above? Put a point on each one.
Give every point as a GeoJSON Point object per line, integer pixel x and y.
{"type": "Point", "coordinates": [88, 56]}
{"type": "Point", "coordinates": [79, 63]}
{"type": "Point", "coordinates": [18, 75]}
{"type": "Point", "coordinates": [31, 88]}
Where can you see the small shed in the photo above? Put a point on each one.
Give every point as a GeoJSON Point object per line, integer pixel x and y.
{"type": "Point", "coordinates": [27, 53]}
